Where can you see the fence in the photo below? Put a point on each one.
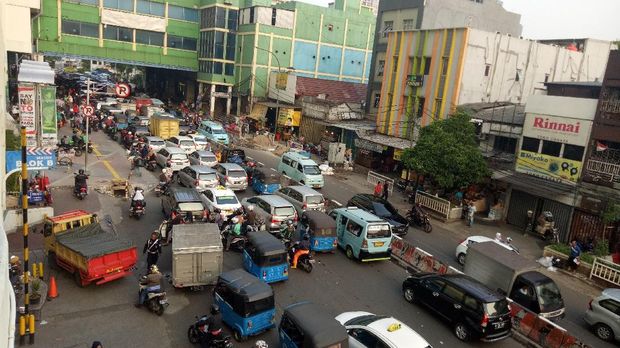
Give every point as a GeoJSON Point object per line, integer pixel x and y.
{"type": "Point", "coordinates": [528, 326]}
{"type": "Point", "coordinates": [605, 270]}
{"type": "Point", "coordinates": [374, 177]}
{"type": "Point", "coordinates": [436, 204]}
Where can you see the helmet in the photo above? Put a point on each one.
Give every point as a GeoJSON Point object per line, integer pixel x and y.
{"type": "Point", "coordinates": [81, 171]}
{"type": "Point", "coordinates": [215, 309]}
{"type": "Point", "coordinates": [235, 220]}
{"type": "Point", "coordinates": [250, 207]}
{"type": "Point", "coordinates": [261, 344]}
{"type": "Point", "coordinates": [14, 260]}
{"type": "Point", "coordinates": [289, 222]}
{"type": "Point", "coordinates": [154, 269]}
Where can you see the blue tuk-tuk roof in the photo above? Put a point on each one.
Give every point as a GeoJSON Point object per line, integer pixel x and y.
{"type": "Point", "coordinates": [318, 220]}
{"type": "Point", "coordinates": [266, 244]}
{"type": "Point", "coordinates": [320, 328]}
{"type": "Point", "coordinates": [246, 285]}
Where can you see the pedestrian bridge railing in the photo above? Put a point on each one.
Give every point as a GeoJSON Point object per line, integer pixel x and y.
{"type": "Point", "coordinates": [438, 205]}
{"type": "Point", "coordinates": [605, 270]}
{"type": "Point", "coordinates": [374, 178]}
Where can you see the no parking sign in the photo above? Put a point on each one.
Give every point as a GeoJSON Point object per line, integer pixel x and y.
{"type": "Point", "coordinates": [122, 90]}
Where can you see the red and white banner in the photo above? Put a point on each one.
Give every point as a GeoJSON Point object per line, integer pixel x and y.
{"type": "Point", "coordinates": [27, 112]}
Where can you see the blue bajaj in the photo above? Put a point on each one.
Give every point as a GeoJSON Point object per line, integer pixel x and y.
{"type": "Point", "coordinates": [306, 325]}
{"type": "Point", "coordinates": [322, 231]}
{"type": "Point", "coordinates": [264, 182]}
{"type": "Point", "coordinates": [264, 256]}
{"type": "Point", "coordinates": [246, 303]}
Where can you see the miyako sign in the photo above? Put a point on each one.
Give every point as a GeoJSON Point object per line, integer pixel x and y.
{"type": "Point", "coordinates": [558, 129]}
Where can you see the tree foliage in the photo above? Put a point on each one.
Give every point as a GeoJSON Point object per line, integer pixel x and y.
{"type": "Point", "coordinates": [448, 153]}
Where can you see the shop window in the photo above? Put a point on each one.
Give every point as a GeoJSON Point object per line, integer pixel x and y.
{"type": "Point", "coordinates": [125, 5]}
{"type": "Point", "coordinates": [551, 148]}
{"type": "Point", "coordinates": [530, 144]}
{"type": "Point", "coordinates": [573, 152]}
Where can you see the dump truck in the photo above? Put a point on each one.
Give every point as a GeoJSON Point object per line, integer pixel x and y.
{"type": "Point", "coordinates": [164, 126]}
{"type": "Point", "coordinates": [197, 255]}
{"type": "Point", "coordinates": [76, 242]}
{"type": "Point", "coordinates": [516, 277]}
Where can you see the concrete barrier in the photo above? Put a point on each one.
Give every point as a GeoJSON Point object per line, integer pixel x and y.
{"type": "Point", "coordinates": [13, 218]}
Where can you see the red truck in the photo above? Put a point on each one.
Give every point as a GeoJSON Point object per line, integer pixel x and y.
{"type": "Point", "coordinates": [76, 242]}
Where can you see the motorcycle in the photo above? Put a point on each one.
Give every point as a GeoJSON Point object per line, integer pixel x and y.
{"type": "Point", "coordinates": [160, 189]}
{"type": "Point", "coordinates": [417, 216]}
{"type": "Point", "coordinates": [237, 243]}
{"type": "Point", "coordinates": [305, 260]}
{"type": "Point", "coordinates": [194, 334]}
{"type": "Point", "coordinates": [156, 302]}
{"type": "Point", "coordinates": [151, 165]}
{"type": "Point", "coordinates": [137, 210]}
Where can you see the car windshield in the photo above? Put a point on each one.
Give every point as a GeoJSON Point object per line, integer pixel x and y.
{"type": "Point", "coordinates": [187, 143]}
{"type": "Point", "coordinates": [178, 157]}
{"type": "Point", "coordinates": [207, 176]}
{"type": "Point", "coordinates": [549, 295]}
{"type": "Point", "coordinates": [284, 211]}
{"type": "Point", "coordinates": [496, 308]}
{"type": "Point", "coordinates": [226, 200]}
{"type": "Point", "coordinates": [236, 173]}
{"type": "Point", "coordinates": [208, 158]}
{"type": "Point", "coordinates": [218, 131]}
{"type": "Point", "coordinates": [258, 306]}
{"type": "Point", "coordinates": [191, 206]}
{"type": "Point", "coordinates": [383, 210]}
{"type": "Point", "coordinates": [318, 199]}
{"type": "Point", "coordinates": [157, 143]}
{"type": "Point", "coordinates": [378, 231]}
{"type": "Point", "coordinates": [200, 139]}
{"type": "Point", "coordinates": [312, 170]}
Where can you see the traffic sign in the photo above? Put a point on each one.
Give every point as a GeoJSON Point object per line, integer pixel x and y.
{"type": "Point", "coordinates": [89, 110]}
{"type": "Point", "coordinates": [122, 90]}
{"type": "Point", "coordinates": [38, 158]}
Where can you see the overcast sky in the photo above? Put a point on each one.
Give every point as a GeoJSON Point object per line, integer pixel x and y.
{"type": "Point", "coordinates": [542, 19]}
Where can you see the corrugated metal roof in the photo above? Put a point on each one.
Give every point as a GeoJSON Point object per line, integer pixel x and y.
{"type": "Point", "coordinates": [385, 140]}
{"type": "Point", "coordinates": [336, 91]}
{"type": "Point", "coordinates": [506, 113]}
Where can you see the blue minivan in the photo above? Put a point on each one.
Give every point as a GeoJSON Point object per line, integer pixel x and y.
{"type": "Point", "coordinates": [362, 235]}
{"type": "Point", "coordinates": [214, 132]}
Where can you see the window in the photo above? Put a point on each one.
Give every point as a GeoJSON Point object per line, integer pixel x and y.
{"type": "Point", "coordinates": [573, 152]}
{"type": "Point", "coordinates": [472, 304]}
{"type": "Point", "coordinates": [80, 28]}
{"type": "Point", "coordinates": [273, 16]}
{"type": "Point", "coordinates": [551, 148]}
{"type": "Point", "coordinates": [217, 67]}
{"type": "Point", "coordinates": [150, 8]}
{"type": "Point", "coordinates": [149, 38]}
{"type": "Point", "coordinates": [291, 330]}
{"type": "Point", "coordinates": [453, 293]}
{"type": "Point", "coordinates": [444, 65]}
{"type": "Point", "coordinates": [530, 144]}
{"type": "Point", "coordinates": [220, 17]}
{"type": "Point", "coordinates": [229, 69]}
{"type": "Point", "coordinates": [380, 68]}
{"type": "Point", "coordinates": [112, 32]}
{"type": "Point", "coordinates": [434, 285]}
{"type": "Point", "coordinates": [611, 305]}
{"type": "Point", "coordinates": [233, 16]}
{"type": "Point", "coordinates": [546, 78]}
{"type": "Point", "coordinates": [125, 5]}
{"type": "Point", "coordinates": [518, 75]}
{"type": "Point", "coordinates": [366, 338]}
{"type": "Point", "coordinates": [182, 13]}
{"type": "Point", "coordinates": [180, 42]}
{"type": "Point", "coordinates": [354, 228]}
{"type": "Point", "coordinates": [218, 45]}
{"type": "Point", "coordinates": [230, 46]}
{"type": "Point", "coordinates": [387, 27]}
{"type": "Point", "coordinates": [437, 107]}
{"type": "Point", "coordinates": [487, 69]}
{"type": "Point", "coordinates": [84, 2]}
{"type": "Point", "coordinates": [504, 144]}
{"type": "Point", "coordinates": [207, 18]}
{"type": "Point", "coordinates": [377, 100]}
{"type": "Point", "coordinates": [408, 24]}
{"type": "Point", "coordinates": [427, 65]}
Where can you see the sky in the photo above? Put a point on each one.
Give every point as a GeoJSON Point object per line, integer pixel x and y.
{"type": "Point", "coordinates": [545, 19]}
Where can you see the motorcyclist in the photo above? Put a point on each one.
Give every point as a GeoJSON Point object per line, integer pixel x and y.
{"type": "Point", "coordinates": [138, 197]}
{"type": "Point", "coordinates": [235, 230]}
{"type": "Point", "coordinates": [304, 244]}
{"type": "Point", "coordinates": [150, 283]}
{"type": "Point", "coordinates": [251, 215]}
{"type": "Point", "coordinates": [164, 178]}
{"type": "Point", "coordinates": [286, 230]}
{"type": "Point", "coordinates": [302, 226]}
{"type": "Point", "coordinates": [212, 327]}
{"type": "Point", "coordinates": [80, 181]}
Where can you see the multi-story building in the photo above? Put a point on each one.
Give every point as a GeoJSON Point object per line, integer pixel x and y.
{"type": "Point", "coordinates": [428, 73]}
{"type": "Point", "coordinates": [406, 15]}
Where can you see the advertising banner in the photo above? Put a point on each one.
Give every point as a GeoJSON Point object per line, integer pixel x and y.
{"type": "Point", "coordinates": [48, 116]}
{"type": "Point", "coordinates": [27, 112]}
{"type": "Point", "coordinates": [289, 117]}
{"type": "Point", "coordinates": [548, 167]}
{"type": "Point", "coordinates": [559, 129]}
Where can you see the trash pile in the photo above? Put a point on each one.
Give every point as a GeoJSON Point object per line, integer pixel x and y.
{"type": "Point", "coordinates": [326, 169]}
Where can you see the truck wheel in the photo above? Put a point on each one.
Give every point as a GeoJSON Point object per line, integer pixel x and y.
{"type": "Point", "coordinates": [78, 279]}
{"type": "Point", "coordinates": [603, 332]}
{"type": "Point", "coordinates": [461, 331]}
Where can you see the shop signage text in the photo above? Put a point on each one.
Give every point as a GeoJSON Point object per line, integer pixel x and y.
{"type": "Point", "coordinates": [556, 128]}
{"type": "Point", "coordinates": [548, 167]}
{"type": "Point", "coordinates": [544, 123]}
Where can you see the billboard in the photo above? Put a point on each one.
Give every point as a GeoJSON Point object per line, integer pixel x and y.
{"type": "Point", "coordinates": [47, 97]}
{"type": "Point", "coordinates": [555, 128]}
{"type": "Point", "coordinates": [27, 111]}
{"type": "Point", "coordinates": [548, 167]}
{"type": "Point", "coordinates": [289, 117]}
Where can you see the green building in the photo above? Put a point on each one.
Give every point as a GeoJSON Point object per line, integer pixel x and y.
{"type": "Point", "coordinates": [227, 48]}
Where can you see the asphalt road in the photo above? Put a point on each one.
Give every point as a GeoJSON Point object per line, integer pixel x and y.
{"type": "Point", "coordinates": [106, 312]}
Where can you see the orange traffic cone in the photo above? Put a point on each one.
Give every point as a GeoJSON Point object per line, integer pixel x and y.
{"type": "Point", "coordinates": [52, 292]}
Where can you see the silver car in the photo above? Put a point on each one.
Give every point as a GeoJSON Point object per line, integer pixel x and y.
{"type": "Point", "coordinates": [199, 177]}
{"type": "Point", "coordinates": [604, 315]}
{"type": "Point", "coordinates": [232, 176]}
{"type": "Point", "coordinates": [203, 158]}
{"type": "Point", "coordinates": [303, 198]}
{"type": "Point", "coordinates": [172, 157]}
{"type": "Point", "coordinates": [273, 209]}
{"type": "Point", "coordinates": [155, 143]}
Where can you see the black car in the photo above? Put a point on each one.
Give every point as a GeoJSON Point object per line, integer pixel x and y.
{"type": "Point", "coordinates": [186, 200]}
{"type": "Point", "coordinates": [473, 310]}
{"type": "Point", "coordinates": [229, 152]}
{"type": "Point", "coordinates": [382, 209]}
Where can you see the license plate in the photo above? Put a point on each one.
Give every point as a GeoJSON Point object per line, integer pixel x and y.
{"type": "Point", "coordinates": [499, 325]}
{"type": "Point", "coordinates": [378, 244]}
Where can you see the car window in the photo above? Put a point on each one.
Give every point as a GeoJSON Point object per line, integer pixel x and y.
{"type": "Point", "coordinates": [312, 170]}
{"type": "Point", "coordinates": [316, 199]}
{"type": "Point", "coordinates": [226, 200]}
{"type": "Point", "coordinates": [285, 191]}
{"type": "Point", "coordinates": [187, 143]}
{"type": "Point", "coordinates": [497, 308]}
{"type": "Point", "coordinates": [472, 304]}
{"type": "Point", "coordinates": [208, 176]}
{"type": "Point", "coordinates": [453, 293]}
{"type": "Point", "coordinates": [236, 173]}
{"type": "Point", "coordinates": [354, 228]}
{"type": "Point", "coordinates": [611, 305]}
{"type": "Point", "coordinates": [208, 158]}
{"type": "Point", "coordinates": [178, 156]}
{"type": "Point", "coordinates": [366, 338]}
{"type": "Point", "coordinates": [435, 285]}
{"type": "Point", "coordinates": [300, 168]}
{"type": "Point", "coordinates": [163, 152]}
{"type": "Point", "coordinates": [286, 160]}
{"type": "Point", "coordinates": [378, 231]}
{"type": "Point", "coordinates": [296, 196]}
{"type": "Point", "coordinates": [380, 210]}
{"type": "Point", "coordinates": [284, 211]}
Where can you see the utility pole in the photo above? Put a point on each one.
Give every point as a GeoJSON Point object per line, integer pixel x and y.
{"type": "Point", "coordinates": [277, 91]}
{"type": "Point", "coordinates": [87, 118]}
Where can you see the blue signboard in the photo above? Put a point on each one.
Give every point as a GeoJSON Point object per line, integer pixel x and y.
{"type": "Point", "coordinates": [38, 159]}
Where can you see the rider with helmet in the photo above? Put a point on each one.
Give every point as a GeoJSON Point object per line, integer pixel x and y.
{"type": "Point", "coordinates": [151, 283]}
{"type": "Point", "coordinates": [296, 248]}
{"type": "Point", "coordinates": [138, 197]}
{"type": "Point", "coordinates": [80, 181]}
{"type": "Point", "coordinates": [251, 215]}
{"type": "Point", "coordinates": [211, 327]}
{"type": "Point", "coordinates": [235, 230]}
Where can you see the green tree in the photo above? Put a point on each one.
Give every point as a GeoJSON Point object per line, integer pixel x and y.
{"type": "Point", "coordinates": [448, 153]}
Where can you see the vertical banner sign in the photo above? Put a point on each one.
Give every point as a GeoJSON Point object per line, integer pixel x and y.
{"type": "Point", "coordinates": [281, 80]}
{"type": "Point", "coordinates": [27, 112]}
{"type": "Point", "coordinates": [48, 116]}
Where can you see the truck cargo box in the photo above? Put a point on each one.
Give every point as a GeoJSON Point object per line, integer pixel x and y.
{"type": "Point", "coordinates": [197, 254]}
{"type": "Point", "coordinates": [164, 126]}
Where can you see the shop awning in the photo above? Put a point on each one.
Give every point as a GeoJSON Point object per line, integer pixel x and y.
{"type": "Point", "coordinates": [258, 112]}
{"type": "Point", "coordinates": [538, 186]}
{"type": "Point", "coordinates": [397, 143]}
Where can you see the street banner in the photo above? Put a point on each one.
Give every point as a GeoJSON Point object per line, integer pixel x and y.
{"type": "Point", "coordinates": [289, 117]}
{"type": "Point", "coordinates": [552, 168]}
{"type": "Point", "coordinates": [48, 116]}
{"type": "Point", "coordinates": [27, 112]}
{"type": "Point", "coordinates": [38, 159]}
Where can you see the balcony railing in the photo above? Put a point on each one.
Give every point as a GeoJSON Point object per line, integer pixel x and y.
{"type": "Point", "coordinates": [604, 169]}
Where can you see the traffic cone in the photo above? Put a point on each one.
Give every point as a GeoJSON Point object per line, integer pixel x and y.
{"type": "Point", "coordinates": [52, 292]}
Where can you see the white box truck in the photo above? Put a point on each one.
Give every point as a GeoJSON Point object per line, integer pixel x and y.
{"type": "Point", "coordinates": [197, 255]}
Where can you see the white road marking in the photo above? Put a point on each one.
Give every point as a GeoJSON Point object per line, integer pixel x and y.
{"type": "Point", "coordinates": [248, 157]}
{"type": "Point", "coordinates": [261, 164]}
{"type": "Point", "coordinates": [337, 203]}
{"type": "Point", "coordinates": [273, 170]}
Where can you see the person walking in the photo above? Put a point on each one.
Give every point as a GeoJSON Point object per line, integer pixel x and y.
{"type": "Point", "coordinates": [470, 214]}
{"type": "Point", "coordinates": [573, 258]}
{"type": "Point", "coordinates": [385, 192]}
{"type": "Point", "coordinates": [378, 189]}
{"type": "Point", "coordinates": [152, 248]}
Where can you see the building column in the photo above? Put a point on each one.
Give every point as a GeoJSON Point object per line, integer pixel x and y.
{"type": "Point", "coordinates": [212, 102]}
{"type": "Point", "coordinates": [238, 105]}
{"type": "Point", "coordinates": [228, 100]}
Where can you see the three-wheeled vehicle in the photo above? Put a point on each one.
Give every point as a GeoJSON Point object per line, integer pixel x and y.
{"type": "Point", "coordinates": [265, 257]}
{"type": "Point", "coordinates": [306, 325]}
{"type": "Point", "coordinates": [265, 182]}
{"type": "Point", "coordinates": [246, 303]}
{"type": "Point", "coordinates": [544, 226]}
{"type": "Point", "coordinates": [322, 230]}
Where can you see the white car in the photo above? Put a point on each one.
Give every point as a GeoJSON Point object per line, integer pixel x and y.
{"type": "Point", "coordinates": [461, 249]}
{"type": "Point", "coordinates": [155, 143]}
{"type": "Point", "coordinates": [203, 158]}
{"type": "Point", "coordinates": [221, 198]}
{"type": "Point", "coordinates": [200, 141]}
{"type": "Point", "coordinates": [172, 157]}
{"type": "Point", "coordinates": [367, 330]}
{"type": "Point", "coordinates": [183, 142]}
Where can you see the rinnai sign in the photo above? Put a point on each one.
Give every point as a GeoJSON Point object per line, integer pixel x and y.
{"type": "Point", "coordinates": [558, 129]}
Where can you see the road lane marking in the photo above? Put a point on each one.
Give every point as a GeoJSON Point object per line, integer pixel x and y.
{"type": "Point", "coordinates": [111, 169]}
{"type": "Point", "coordinates": [96, 151]}
{"type": "Point", "coordinates": [250, 158]}
{"type": "Point", "coordinates": [273, 170]}
{"type": "Point", "coordinates": [336, 202]}
{"type": "Point", "coordinates": [261, 164]}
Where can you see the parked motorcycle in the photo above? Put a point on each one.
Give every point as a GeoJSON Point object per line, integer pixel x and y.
{"type": "Point", "coordinates": [156, 302]}
{"type": "Point", "coordinates": [194, 334]}
{"type": "Point", "coordinates": [418, 217]}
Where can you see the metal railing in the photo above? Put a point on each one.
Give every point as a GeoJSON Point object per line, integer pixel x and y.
{"type": "Point", "coordinates": [374, 177]}
{"type": "Point", "coordinates": [436, 204]}
{"type": "Point", "coordinates": [608, 168]}
{"type": "Point", "coordinates": [608, 271]}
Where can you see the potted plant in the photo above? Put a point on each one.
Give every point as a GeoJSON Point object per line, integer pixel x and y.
{"type": "Point", "coordinates": [35, 296]}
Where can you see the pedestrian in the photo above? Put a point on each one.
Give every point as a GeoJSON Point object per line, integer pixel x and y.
{"type": "Point", "coordinates": [378, 189]}
{"type": "Point", "coordinates": [573, 258]}
{"type": "Point", "coordinates": [97, 344]}
{"type": "Point", "coordinates": [470, 213]}
{"type": "Point", "coordinates": [386, 188]}
{"type": "Point", "coordinates": [152, 248]}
